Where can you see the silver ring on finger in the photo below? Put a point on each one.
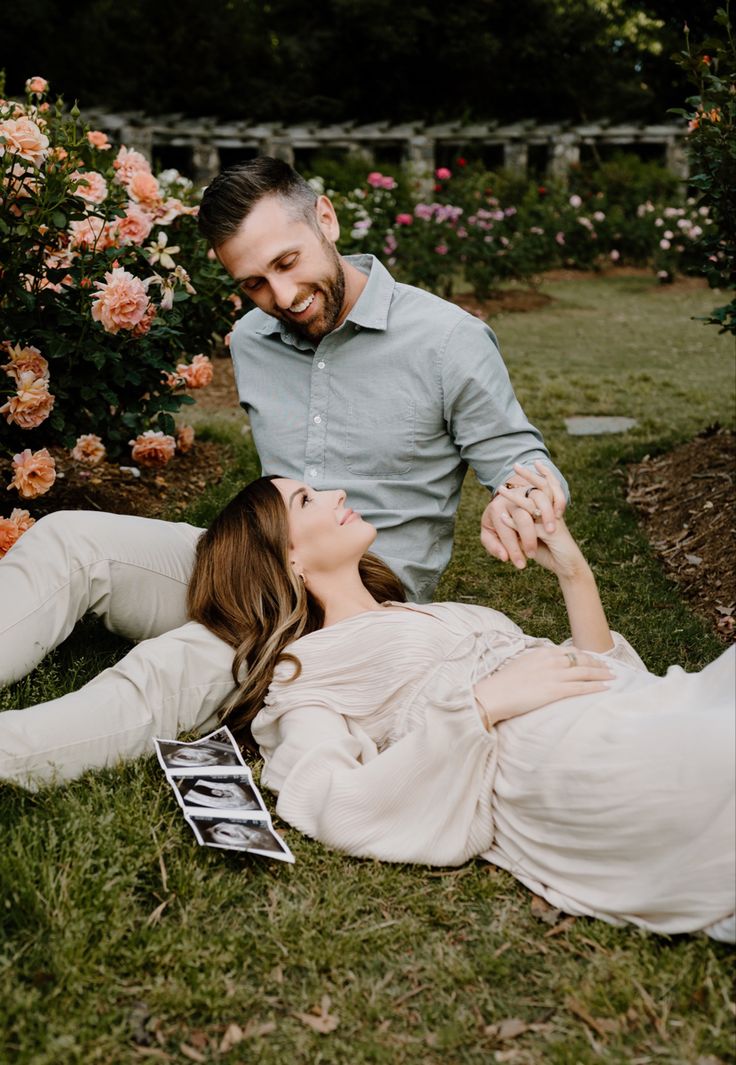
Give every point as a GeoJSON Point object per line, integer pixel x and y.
{"type": "Point", "coordinates": [530, 489]}
{"type": "Point", "coordinates": [572, 658]}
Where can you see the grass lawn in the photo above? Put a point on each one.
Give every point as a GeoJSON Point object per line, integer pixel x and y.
{"type": "Point", "coordinates": [122, 941]}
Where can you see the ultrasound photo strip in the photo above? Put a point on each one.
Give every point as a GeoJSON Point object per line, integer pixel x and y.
{"type": "Point", "coordinates": [250, 837]}
{"type": "Point", "coordinates": [235, 795]}
{"type": "Point", "coordinates": [216, 754]}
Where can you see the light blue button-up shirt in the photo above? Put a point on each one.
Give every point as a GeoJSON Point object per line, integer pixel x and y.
{"type": "Point", "coordinates": [392, 406]}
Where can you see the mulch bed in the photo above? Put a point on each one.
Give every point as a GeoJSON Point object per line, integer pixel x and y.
{"type": "Point", "coordinates": [688, 507]}
{"type": "Point", "coordinates": [149, 493]}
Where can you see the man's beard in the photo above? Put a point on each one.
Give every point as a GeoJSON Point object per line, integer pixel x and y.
{"type": "Point", "coordinates": [333, 297]}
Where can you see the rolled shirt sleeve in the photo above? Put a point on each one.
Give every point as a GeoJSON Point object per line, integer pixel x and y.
{"type": "Point", "coordinates": [486, 421]}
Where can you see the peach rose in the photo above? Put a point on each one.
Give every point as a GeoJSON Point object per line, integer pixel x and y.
{"type": "Point", "coordinates": [32, 403]}
{"type": "Point", "coordinates": [9, 533]}
{"type": "Point", "coordinates": [166, 212]}
{"type": "Point", "coordinates": [12, 528]}
{"type": "Point", "coordinates": [134, 227]}
{"type": "Point", "coordinates": [98, 140]}
{"type": "Point", "coordinates": [37, 85]}
{"type": "Point", "coordinates": [35, 472]}
{"type": "Point", "coordinates": [152, 448]}
{"type": "Point", "coordinates": [22, 519]}
{"type": "Point", "coordinates": [128, 162]}
{"type": "Point", "coordinates": [92, 232]}
{"type": "Point", "coordinates": [91, 186]}
{"type": "Point", "coordinates": [89, 450]}
{"type": "Point", "coordinates": [24, 360]}
{"type": "Point", "coordinates": [198, 374]}
{"type": "Point", "coordinates": [21, 136]}
{"type": "Point", "coordinates": [184, 439]}
{"type": "Point", "coordinates": [145, 323]}
{"type": "Point", "coordinates": [121, 302]}
{"type": "Point", "coordinates": [144, 188]}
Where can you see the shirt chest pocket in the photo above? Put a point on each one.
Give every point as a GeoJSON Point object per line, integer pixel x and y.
{"type": "Point", "coordinates": [380, 437]}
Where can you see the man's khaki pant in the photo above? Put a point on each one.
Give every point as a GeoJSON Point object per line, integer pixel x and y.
{"type": "Point", "coordinates": [132, 573]}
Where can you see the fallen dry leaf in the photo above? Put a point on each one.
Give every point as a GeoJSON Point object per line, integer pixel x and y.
{"type": "Point", "coordinates": [565, 924]}
{"type": "Point", "coordinates": [505, 1030]}
{"type": "Point", "coordinates": [192, 1053]}
{"type": "Point", "coordinates": [542, 910]}
{"type": "Point", "coordinates": [602, 1026]}
{"type": "Point", "coordinates": [233, 1035]}
{"type": "Point", "coordinates": [155, 915]}
{"type": "Point", "coordinates": [320, 1019]}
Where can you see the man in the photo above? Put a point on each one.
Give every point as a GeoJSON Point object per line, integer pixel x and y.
{"type": "Point", "coordinates": [350, 380]}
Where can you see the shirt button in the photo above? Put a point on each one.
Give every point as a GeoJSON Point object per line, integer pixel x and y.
{"type": "Point", "coordinates": [313, 472]}
{"type": "Point", "coordinates": [317, 419]}
{"type": "Point", "coordinates": [320, 366]}
{"type": "Point", "coordinates": [357, 329]}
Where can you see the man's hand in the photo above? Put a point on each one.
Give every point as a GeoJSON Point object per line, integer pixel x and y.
{"type": "Point", "coordinates": [507, 527]}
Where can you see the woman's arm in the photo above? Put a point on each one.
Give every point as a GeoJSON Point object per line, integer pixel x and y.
{"type": "Point", "coordinates": [559, 553]}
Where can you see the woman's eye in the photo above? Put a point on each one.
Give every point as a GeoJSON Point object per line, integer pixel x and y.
{"type": "Point", "coordinates": [305, 500]}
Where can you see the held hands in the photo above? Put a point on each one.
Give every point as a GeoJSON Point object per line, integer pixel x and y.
{"type": "Point", "coordinates": [537, 677]}
{"type": "Point", "coordinates": [524, 521]}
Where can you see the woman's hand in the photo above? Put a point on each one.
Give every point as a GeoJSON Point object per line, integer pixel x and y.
{"type": "Point", "coordinates": [555, 551]}
{"type": "Point", "coordinates": [537, 677]}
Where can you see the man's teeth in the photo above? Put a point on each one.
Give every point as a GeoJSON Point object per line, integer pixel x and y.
{"type": "Point", "coordinates": [297, 308]}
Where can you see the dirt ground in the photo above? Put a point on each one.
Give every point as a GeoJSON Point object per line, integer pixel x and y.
{"type": "Point", "coordinates": [685, 498]}
{"type": "Point", "coordinates": [688, 507]}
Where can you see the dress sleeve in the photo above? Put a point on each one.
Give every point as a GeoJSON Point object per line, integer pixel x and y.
{"type": "Point", "coordinates": [426, 798]}
{"type": "Point", "coordinates": [622, 651]}
{"type": "Point", "coordinates": [486, 420]}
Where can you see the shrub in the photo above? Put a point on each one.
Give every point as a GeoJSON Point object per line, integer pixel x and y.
{"type": "Point", "coordinates": [106, 290]}
{"type": "Point", "coordinates": [711, 116]}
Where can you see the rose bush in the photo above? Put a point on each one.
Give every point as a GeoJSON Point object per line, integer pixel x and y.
{"type": "Point", "coordinates": [108, 297]}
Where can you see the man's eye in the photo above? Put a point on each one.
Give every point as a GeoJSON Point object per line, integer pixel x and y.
{"type": "Point", "coordinates": [286, 264]}
{"type": "Point", "coordinates": [251, 286]}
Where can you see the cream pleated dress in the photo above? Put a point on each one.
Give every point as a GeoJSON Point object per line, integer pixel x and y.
{"type": "Point", "coordinates": [619, 804]}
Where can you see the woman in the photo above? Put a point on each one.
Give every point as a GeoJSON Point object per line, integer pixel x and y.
{"type": "Point", "coordinates": [437, 733]}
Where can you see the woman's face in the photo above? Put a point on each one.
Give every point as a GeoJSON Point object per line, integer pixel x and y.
{"type": "Point", "coordinates": [324, 533]}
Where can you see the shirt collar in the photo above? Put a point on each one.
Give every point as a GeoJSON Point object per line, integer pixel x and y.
{"type": "Point", "coordinates": [371, 307]}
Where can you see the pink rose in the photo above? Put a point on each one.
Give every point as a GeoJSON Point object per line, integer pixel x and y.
{"type": "Point", "coordinates": [153, 448]}
{"type": "Point", "coordinates": [442, 249]}
{"type": "Point", "coordinates": [144, 188]}
{"type": "Point", "coordinates": [89, 450]}
{"type": "Point", "coordinates": [32, 403]}
{"type": "Point", "coordinates": [121, 302]}
{"type": "Point", "coordinates": [184, 439]}
{"type": "Point", "coordinates": [198, 374]}
{"type": "Point", "coordinates": [615, 255]}
{"type": "Point", "coordinates": [375, 179]}
{"type": "Point", "coordinates": [91, 186]}
{"type": "Point", "coordinates": [134, 227]}
{"type": "Point", "coordinates": [21, 136]}
{"type": "Point", "coordinates": [404, 219]}
{"type": "Point", "coordinates": [34, 473]}
{"type": "Point", "coordinates": [24, 360]}
{"type": "Point", "coordinates": [575, 201]}
{"type": "Point", "coordinates": [37, 85]}
{"type": "Point", "coordinates": [129, 162]}
{"type": "Point", "coordinates": [92, 232]}
{"type": "Point", "coordinates": [442, 173]}
{"type": "Point", "coordinates": [98, 140]}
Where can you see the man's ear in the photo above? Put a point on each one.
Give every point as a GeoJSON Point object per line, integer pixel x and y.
{"type": "Point", "coordinates": [327, 219]}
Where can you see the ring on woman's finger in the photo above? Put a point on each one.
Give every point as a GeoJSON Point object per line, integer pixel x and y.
{"type": "Point", "coordinates": [530, 489]}
{"type": "Point", "coordinates": [571, 657]}
{"type": "Point", "coordinates": [536, 514]}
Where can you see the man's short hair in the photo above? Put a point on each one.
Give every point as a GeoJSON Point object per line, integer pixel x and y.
{"type": "Point", "coordinates": [234, 193]}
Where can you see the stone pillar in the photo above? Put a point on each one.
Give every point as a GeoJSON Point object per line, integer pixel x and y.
{"type": "Point", "coordinates": [419, 159]}
{"type": "Point", "coordinates": [516, 156]}
{"type": "Point", "coordinates": [205, 162]}
{"type": "Point", "coordinates": [676, 157]}
{"type": "Point", "coordinates": [564, 152]}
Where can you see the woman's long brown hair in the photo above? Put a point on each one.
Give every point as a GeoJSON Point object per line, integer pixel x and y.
{"type": "Point", "coordinates": [244, 590]}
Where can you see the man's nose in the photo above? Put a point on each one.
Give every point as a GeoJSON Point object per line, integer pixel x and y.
{"type": "Point", "coordinates": [284, 292]}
